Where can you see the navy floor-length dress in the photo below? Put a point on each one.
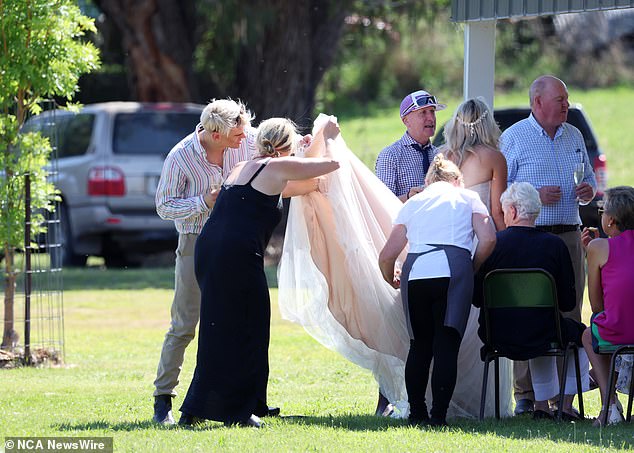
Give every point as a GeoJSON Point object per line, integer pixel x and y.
{"type": "Point", "coordinates": [230, 379]}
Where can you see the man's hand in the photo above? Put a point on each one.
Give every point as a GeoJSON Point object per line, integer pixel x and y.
{"type": "Point", "coordinates": [210, 197]}
{"type": "Point", "coordinates": [549, 194]}
{"type": "Point", "coordinates": [584, 192]}
{"type": "Point", "coordinates": [414, 190]}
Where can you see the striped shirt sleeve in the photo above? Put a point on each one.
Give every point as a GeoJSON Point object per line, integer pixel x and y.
{"type": "Point", "coordinates": [170, 202]}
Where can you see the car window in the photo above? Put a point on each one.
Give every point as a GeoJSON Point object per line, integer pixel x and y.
{"type": "Point", "coordinates": [576, 118]}
{"type": "Point", "coordinates": [151, 132]}
{"type": "Point", "coordinates": [69, 133]}
{"type": "Point", "coordinates": [74, 134]}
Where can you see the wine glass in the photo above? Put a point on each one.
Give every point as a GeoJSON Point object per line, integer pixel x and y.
{"type": "Point", "coordinates": [216, 185]}
{"type": "Point", "coordinates": [577, 173]}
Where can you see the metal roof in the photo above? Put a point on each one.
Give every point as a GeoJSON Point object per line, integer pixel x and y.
{"type": "Point", "coordinates": [478, 10]}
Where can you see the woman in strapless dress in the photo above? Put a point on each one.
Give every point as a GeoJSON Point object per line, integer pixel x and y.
{"type": "Point", "coordinates": [471, 138]}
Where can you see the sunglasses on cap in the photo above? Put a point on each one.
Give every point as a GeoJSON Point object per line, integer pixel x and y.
{"type": "Point", "coordinates": [420, 101]}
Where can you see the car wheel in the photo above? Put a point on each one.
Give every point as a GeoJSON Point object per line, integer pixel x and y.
{"type": "Point", "coordinates": [64, 253]}
{"type": "Point", "coordinates": [119, 261]}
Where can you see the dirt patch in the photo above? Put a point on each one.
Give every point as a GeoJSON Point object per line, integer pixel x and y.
{"type": "Point", "coordinates": [40, 357]}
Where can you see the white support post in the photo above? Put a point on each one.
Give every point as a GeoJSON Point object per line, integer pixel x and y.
{"type": "Point", "coordinates": [479, 60]}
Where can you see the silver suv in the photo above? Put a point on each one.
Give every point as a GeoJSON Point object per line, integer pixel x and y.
{"type": "Point", "coordinates": [109, 158]}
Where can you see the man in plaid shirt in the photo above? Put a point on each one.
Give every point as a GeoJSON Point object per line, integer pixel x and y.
{"type": "Point", "coordinates": [402, 166]}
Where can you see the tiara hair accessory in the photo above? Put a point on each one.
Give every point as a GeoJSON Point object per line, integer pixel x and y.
{"type": "Point", "coordinates": [473, 124]}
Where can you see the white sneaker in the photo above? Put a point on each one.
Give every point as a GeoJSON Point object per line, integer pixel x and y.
{"type": "Point", "coordinates": [615, 416]}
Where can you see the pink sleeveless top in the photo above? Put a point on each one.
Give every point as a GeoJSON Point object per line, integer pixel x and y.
{"type": "Point", "coordinates": [616, 323]}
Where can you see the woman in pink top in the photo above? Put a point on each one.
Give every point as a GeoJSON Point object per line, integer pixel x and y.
{"type": "Point", "coordinates": [611, 287]}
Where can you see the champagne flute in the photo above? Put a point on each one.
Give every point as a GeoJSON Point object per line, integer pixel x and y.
{"type": "Point", "coordinates": [577, 174]}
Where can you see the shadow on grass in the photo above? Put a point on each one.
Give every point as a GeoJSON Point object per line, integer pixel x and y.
{"type": "Point", "coordinates": [94, 277]}
{"type": "Point", "coordinates": [517, 428]}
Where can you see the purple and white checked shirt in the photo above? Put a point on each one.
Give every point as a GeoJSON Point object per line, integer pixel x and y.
{"type": "Point", "coordinates": [531, 156]}
{"type": "Point", "coordinates": [400, 165]}
{"type": "Point", "coordinates": [187, 176]}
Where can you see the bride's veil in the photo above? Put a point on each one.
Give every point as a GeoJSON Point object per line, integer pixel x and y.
{"type": "Point", "coordinates": [328, 278]}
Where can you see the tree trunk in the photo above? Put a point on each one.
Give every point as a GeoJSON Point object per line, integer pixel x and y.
{"type": "Point", "coordinates": [157, 37]}
{"type": "Point", "coordinates": [278, 73]}
{"type": "Point", "coordinates": [9, 335]}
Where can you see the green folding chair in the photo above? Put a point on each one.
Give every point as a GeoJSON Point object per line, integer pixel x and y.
{"type": "Point", "coordinates": [534, 289]}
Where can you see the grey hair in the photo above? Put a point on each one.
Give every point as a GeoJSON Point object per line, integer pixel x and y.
{"type": "Point", "coordinates": [471, 125]}
{"type": "Point", "coordinates": [222, 115]}
{"type": "Point", "coordinates": [619, 203]}
{"type": "Point", "coordinates": [540, 85]}
{"type": "Point", "coordinates": [275, 135]}
{"type": "Point", "coordinates": [524, 197]}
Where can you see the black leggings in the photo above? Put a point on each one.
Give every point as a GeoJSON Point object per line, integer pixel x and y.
{"type": "Point", "coordinates": [427, 301]}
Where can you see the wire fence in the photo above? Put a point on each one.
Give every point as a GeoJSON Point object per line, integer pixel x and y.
{"type": "Point", "coordinates": [33, 309]}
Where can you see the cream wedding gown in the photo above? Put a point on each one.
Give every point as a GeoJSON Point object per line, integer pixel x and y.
{"type": "Point", "coordinates": [330, 283]}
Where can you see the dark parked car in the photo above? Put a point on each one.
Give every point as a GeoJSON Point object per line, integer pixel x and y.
{"type": "Point", "coordinates": [577, 117]}
{"type": "Point", "coordinates": [109, 158]}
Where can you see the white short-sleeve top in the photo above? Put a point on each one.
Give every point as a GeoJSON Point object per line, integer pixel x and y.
{"type": "Point", "coordinates": [440, 214]}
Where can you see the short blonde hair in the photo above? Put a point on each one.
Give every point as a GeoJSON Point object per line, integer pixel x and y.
{"type": "Point", "coordinates": [471, 125]}
{"type": "Point", "coordinates": [222, 115]}
{"type": "Point", "coordinates": [442, 169]}
{"type": "Point", "coordinates": [275, 135]}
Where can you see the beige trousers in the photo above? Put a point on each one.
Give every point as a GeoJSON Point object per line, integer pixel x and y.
{"type": "Point", "coordinates": [522, 384]}
{"type": "Point", "coordinates": [185, 313]}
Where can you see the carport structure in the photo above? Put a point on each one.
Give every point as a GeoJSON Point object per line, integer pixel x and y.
{"type": "Point", "coordinates": [480, 17]}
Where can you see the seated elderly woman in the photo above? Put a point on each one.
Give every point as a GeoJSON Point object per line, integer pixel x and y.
{"type": "Point", "coordinates": [439, 224]}
{"type": "Point", "coordinates": [521, 246]}
{"type": "Point", "coordinates": [611, 287]}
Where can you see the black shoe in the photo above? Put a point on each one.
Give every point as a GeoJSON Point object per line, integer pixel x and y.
{"type": "Point", "coordinates": [542, 415]}
{"type": "Point", "coordinates": [188, 420]}
{"type": "Point", "coordinates": [268, 412]}
{"type": "Point", "coordinates": [252, 422]}
{"type": "Point", "coordinates": [163, 410]}
{"type": "Point", "coordinates": [437, 422]}
{"type": "Point", "coordinates": [418, 422]}
{"type": "Point", "coordinates": [574, 417]}
{"type": "Point", "coordinates": [523, 406]}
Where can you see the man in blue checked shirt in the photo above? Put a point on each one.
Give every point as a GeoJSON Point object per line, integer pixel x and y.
{"type": "Point", "coordinates": [402, 166]}
{"type": "Point", "coordinates": [544, 150]}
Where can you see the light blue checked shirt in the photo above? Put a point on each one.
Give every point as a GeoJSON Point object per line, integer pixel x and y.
{"type": "Point", "coordinates": [400, 165]}
{"type": "Point", "coordinates": [531, 156]}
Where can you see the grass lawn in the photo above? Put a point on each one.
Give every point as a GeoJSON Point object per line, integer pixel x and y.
{"type": "Point", "coordinates": [113, 340]}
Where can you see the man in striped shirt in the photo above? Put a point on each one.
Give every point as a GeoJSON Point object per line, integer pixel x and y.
{"type": "Point", "coordinates": [402, 166]}
{"type": "Point", "coordinates": [543, 150]}
{"type": "Point", "coordinates": [190, 182]}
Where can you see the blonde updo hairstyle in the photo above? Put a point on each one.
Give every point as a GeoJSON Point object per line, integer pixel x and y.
{"type": "Point", "coordinates": [472, 125]}
{"type": "Point", "coordinates": [222, 115]}
{"type": "Point", "coordinates": [276, 135]}
{"type": "Point", "coordinates": [442, 169]}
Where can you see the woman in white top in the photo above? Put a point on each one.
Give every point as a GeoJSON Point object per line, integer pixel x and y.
{"type": "Point", "coordinates": [439, 224]}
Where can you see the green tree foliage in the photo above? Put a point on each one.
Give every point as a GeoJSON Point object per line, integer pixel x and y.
{"type": "Point", "coordinates": [391, 48]}
{"type": "Point", "coordinates": [41, 55]}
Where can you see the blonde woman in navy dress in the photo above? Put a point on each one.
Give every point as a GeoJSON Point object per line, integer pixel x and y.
{"type": "Point", "coordinates": [230, 380]}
